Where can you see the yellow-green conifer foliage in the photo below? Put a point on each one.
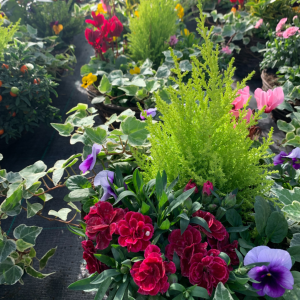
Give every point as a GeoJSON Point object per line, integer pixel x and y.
{"type": "Point", "coordinates": [151, 30]}
{"type": "Point", "coordinates": [6, 34]}
{"type": "Point", "coordinates": [197, 138]}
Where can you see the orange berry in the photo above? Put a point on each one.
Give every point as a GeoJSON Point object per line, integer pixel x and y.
{"type": "Point", "coordinates": [1, 131]}
{"type": "Point", "coordinates": [7, 106]}
{"type": "Point", "coordinates": [5, 66]}
{"type": "Point", "coordinates": [37, 81]}
{"type": "Point", "coordinates": [0, 98]}
{"type": "Point", "coordinates": [0, 83]}
{"type": "Point", "coordinates": [14, 114]}
{"type": "Point", "coordinates": [24, 69]}
{"type": "Point", "coordinates": [13, 95]}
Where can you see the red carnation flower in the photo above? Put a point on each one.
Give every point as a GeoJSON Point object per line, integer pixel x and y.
{"type": "Point", "coordinates": [226, 247]}
{"type": "Point", "coordinates": [179, 242]}
{"type": "Point", "coordinates": [207, 271]}
{"type": "Point", "coordinates": [98, 20]}
{"type": "Point", "coordinates": [92, 263]}
{"type": "Point", "coordinates": [188, 253]}
{"type": "Point", "coordinates": [102, 222]}
{"type": "Point", "coordinates": [135, 231]}
{"type": "Point", "coordinates": [116, 27]}
{"type": "Point", "coordinates": [150, 274]}
{"type": "Point", "coordinates": [191, 185]}
{"type": "Point", "coordinates": [217, 229]}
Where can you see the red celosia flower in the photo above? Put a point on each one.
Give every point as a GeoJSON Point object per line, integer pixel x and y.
{"type": "Point", "coordinates": [98, 20]}
{"type": "Point", "coordinates": [116, 27]}
{"type": "Point", "coordinates": [207, 271]}
{"type": "Point", "coordinates": [179, 242]}
{"type": "Point", "coordinates": [92, 263]}
{"type": "Point", "coordinates": [135, 231]}
{"type": "Point", "coordinates": [191, 185]}
{"type": "Point", "coordinates": [102, 222]}
{"type": "Point", "coordinates": [207, 187]}
{"type": "Point", "coordinates": [217, 229]}
{"type": "Point", "coordinates": [226, 247]}
{"type": "Point", "coordinates": [150, 274]}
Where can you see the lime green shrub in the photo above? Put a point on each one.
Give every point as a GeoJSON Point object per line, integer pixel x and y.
{"type": "Point", "coordinates": [151, 30]}
{"type": "Point", "coordinates": [199, 138]}
{"type": "Point", "coordinates": [6, 34]}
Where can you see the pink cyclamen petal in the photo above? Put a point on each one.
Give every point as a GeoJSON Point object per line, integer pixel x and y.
{"type": "Point", "coordinates": [258, 23]}
{"type": "Point", "coordinates": [290, 32]}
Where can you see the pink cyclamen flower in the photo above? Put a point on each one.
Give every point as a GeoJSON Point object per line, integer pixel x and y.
{"type": "Point", "coordinates": [226, 50]}
{"type": "Point", "coordinates": [295, 17]}
{"type": "Point", "coordinates": [280, 24]}
{"type": "Point", "coordinates": [173, 40]}
{"type": "Point", "coordinates": [248, 115]}
{"type": "Point", "coordinates": [242, 99]}
{"type": "Point", "coordinates": [279, 34]}
{"type": "Point", "coordinates": [290, 32]}
{"type": "Point", "coordinates": [259, 23]}
{"type": "Point", "coordinates": [271, 99]}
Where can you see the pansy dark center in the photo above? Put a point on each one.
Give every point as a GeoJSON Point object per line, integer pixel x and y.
{"type": "Point", "coordinates": [269, 274]}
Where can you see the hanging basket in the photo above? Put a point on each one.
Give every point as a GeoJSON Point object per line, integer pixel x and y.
{"type": "Point", "coordinates": [107, 110]}
{"type": "Point", "coordinates": [246, 60]}
{"type": "Point", "coordinates": [269, 82]}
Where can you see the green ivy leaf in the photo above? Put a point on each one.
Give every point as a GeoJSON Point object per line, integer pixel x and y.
{"type": "Point", "coordinates": [96, 135]}
{"type": "Point", "coordinates": [293, 210]}
{"type": "Point", "coordinates": [62, 213]}
{"type": "Point", "coordinates": [7, 246]}
{"type": "Point", "coordinates": [284, 126]}
{"type": "Point", "coordinates": [32, 272]}
{"type": "Point", "coordinates": [46, 257]}
{"type": "Point", "coordinates": [32, 209]}
{"type": "Point", "coordinates": [63, 129]}
{"type": "Point", "coordinates": [9, 272]}
{"type": "Point", "coordinates": [22, 245]}
{"type": "Point", "coordinates": [135, 130]}
{"type": "Point", "coordinates": [27, 233]}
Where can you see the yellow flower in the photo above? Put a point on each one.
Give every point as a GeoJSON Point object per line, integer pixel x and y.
{"type": "Point", "coordinates": [233, 10]}
{"type": "Point", "coordinates": [186, 32]}
{"type": "Point", "coordinates": [240, 7]}
{"type": "Point", "coordinates": [180, 11]}
{"type": "Point", "coordinates": [135, 70]}
{"type": "Point", "coordinates": [137, 14]}
{"type": "Point", "coordinates": [100, 9]}
{"type": "Point", "coordinates": [115, 38]}
{"type": "Point", "coordinates": [57, 28]}
{"type": "Point", "coordinates": [88, 80]}
{"type": "Point", "coordinates": [296, 9]}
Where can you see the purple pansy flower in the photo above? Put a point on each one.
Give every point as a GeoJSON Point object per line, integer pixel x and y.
{"type": "Point", "coordinates": [89, 162]}
{"type": "Point", "coordinates": [295, 156]}
{"type": "Point", "coordinates": [173, 40]}
{"type": "Point", "coordinates": [150, 111]}
{"type": "Point", "coordinates": [279, 158]}
{"type": "Point", "coordinates": [102, 179]}
{"type": "Point", "coordinates": [276, 277]}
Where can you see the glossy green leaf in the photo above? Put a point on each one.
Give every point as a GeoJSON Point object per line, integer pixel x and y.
{"type": "Point", "coordinates": [27, 233]}
{"type": "Point", "coordinates": [262, 213]}
{"type": "Point", "coordinates": [96, 135]}
{"type": "Point", "coordinates": [63, 129]}
{"type": "Point", "coordinates": [61, 214]}
{"type": "Point", "coordinates": [9, 272]}
{"type": "Point", "coordinates": [33, 209]}
{"type": "Point", "coordinates": [293, 210]}
{"type": "Point", "coordinates": [7, 246]}
{"type": "Point", "coordinates": [105, 86]}
{"type": "Point", "coordinates": [34, 273]}
{"type": "Point", "coordinates": [22, 245]}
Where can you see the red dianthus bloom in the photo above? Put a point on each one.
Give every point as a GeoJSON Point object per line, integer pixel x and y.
{"type": "Point", "coordinates": [191, 185]}
{"type": "Point", "coordinates": [226, 247]}
{"type": "Point", "coordinates": [150, 274]}
{"type": "Point", "coordinates": [217, 229]}
{"type": "Point", "coordinates": [179, 242]}
{"type": "Point", "coordinates": [135, 231]}
{"type": "Point", "coordinates": [92, 263]}
{"type": "Point", "coordinates": [207, 271]}
{"type": "Point", "coordinates": [101, 223]}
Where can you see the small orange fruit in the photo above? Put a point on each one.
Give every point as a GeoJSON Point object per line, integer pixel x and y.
{"type": "Point", "coordinates": [37, 81]}
{"type": "Point", "coordinates": [14, 114]}
{"type": "Point", "coordinates": [0, 98]}
{"type": "Point", "coordinates": [24, 69]}
{"type": "Point", "coordinates": [0, 83]}
{"type": "Point", "coordinates": [13, 95]}
{"type": "Point", "coordinates": [7, 106]}
{"type": "Point", "coordinates": [1, 131]}
{"type": "Point", "coordinates": [5, 66]}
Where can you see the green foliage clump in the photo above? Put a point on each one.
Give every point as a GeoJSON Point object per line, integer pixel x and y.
{"type": "Point", "coordinates": [43, 13]}
{"type": "Point", "coordinates": [6, 34]}
{"type": "Point", "coordinates": [199, 138]}
{"type": "Point", "coordinates": [151, 30]}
